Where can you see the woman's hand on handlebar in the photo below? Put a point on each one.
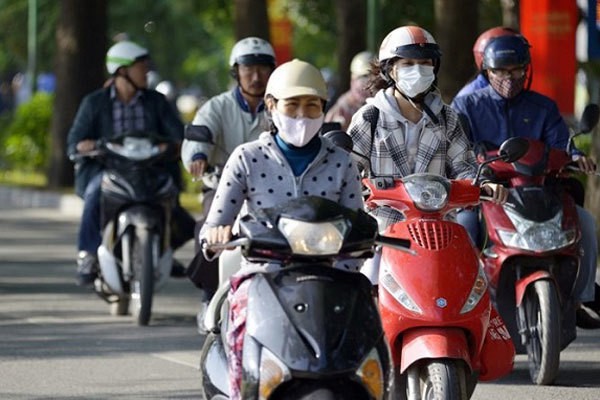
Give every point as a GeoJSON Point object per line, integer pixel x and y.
{"type": "Point", "coordinates": [218, 235]}
{"type": "Point", "coordinates": [498, 193]}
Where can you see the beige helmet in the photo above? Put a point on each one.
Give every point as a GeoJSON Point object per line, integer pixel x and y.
{"type": "Point", "coordinates": [296, 78]}
{"type": "Point", "coordinates": [361, 63]}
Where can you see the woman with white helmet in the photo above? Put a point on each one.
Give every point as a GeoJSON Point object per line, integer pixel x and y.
{"type": "Point", "coordinates": [406, 127]}
{"type": "Point", "coordinates": [289, 160]}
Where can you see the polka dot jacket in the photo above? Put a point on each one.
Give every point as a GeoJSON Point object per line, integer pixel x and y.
{"type": "Point", "coordinates": [258, 175]}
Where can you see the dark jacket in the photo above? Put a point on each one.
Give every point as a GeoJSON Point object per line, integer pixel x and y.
{"type": "Point", "coordinates": [94, 120]}
{"type": "Point", "coordinates": [493, 119]}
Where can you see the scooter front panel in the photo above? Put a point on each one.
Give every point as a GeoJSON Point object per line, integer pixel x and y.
{"type": "Point", "coordinates": [314, 319]}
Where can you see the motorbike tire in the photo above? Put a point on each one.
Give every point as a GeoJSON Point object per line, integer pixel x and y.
{"type": "Point", "coordinates": [443, 379]}
{"type": "Point", "coordinates": [542, 314]}
{"type": "Point", "coordinates": [144, 276]}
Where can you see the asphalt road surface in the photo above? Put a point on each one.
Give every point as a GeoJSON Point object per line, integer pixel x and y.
{"type": "Point", "coordinates": [58, 341]}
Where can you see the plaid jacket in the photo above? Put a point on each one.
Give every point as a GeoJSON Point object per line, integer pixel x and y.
{"type": "Point", "coordinates": [443, 148]}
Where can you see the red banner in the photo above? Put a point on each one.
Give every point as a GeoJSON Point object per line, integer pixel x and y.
{"type": "Point", "coordinates": [280, 28]}
{"type": "Point", "coordinates": [549, 26]}
{"type": "Point", "coordinates": [281, 39]}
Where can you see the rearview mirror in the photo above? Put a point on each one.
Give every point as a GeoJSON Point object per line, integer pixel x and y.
{"type": "Point", "coordinates": [340, 139]}
{"type": "Point", "coordinates": [589, 118]}
{"type": "Point", "coordinates": [513, 149]}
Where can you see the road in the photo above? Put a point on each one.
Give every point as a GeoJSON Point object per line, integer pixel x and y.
{"type": "Point", "coordinates": [58, 341]}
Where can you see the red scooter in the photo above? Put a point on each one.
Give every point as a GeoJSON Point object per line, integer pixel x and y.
{"type": "Point", "coordinates": [532, 253]}
{"type": "Point", "coordinates": [434, 304]}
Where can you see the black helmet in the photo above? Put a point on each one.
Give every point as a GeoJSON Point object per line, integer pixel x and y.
{"type": "Point", "coordinates": [503, 51]}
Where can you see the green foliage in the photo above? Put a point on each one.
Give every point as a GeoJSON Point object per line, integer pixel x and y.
{"type": "Point", "coordinates": [189, 40]}
{"type": "Point", "coordinates": [25, 143]}
{"type": "Point", "coordinates": [13, 35]}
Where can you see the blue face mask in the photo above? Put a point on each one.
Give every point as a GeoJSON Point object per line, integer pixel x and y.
{"type": "Point", "coordinates": [296, 131]}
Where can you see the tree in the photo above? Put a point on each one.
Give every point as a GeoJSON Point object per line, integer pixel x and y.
{"type": "Point", "coordinates": [81, 46]}
{"type": "Point", "coordinates": [455, 31]}
{"type": "Point", "coordinates": [510, 13]}
{"type": "Point", "coordinates": [352, 38]}
{"type": "Point", "coordinates": [250, 19]}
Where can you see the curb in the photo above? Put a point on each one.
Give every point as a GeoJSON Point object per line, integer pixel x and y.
{"type": "Point", "coordinates": [22, 198]}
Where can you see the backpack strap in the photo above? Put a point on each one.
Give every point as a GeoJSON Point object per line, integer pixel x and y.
{"type": "Point", "coordinates": [371, 115]}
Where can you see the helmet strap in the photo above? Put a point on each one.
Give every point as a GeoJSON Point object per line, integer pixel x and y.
{"type": "Point", "coordinates": [128, 79]}
{"type": "Point", "coordinates": [421, 102]}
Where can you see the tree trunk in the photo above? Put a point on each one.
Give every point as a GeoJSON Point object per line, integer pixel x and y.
{"type": "Point", "coordinates": [510, 13]}
{"type": "Point", "coordinates": [250, 18]}
{"type": "Point", "coordinates": [81, 47]}
{"type": "Point", "coordinates": [351, 21]}
{"type": "Point", "coordinates": [455, 31]}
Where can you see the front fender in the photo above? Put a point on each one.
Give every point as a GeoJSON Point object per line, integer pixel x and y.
{"type": "Point", "coordinates": [141, 217]}
{"type": "Point", "coordinates": [521, 284]}
{"type": "Point", "coordinates": [421, 343]}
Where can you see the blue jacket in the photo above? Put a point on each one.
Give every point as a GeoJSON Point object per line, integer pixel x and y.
{"type": "Point", "coordinates": [479, 82]}
{"type": "Point", "coordinates": [493, 119]}
{"type": "Point", "coordinates": [94, 121]}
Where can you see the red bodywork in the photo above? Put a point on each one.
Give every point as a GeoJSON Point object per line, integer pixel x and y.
{"type": "Point", "coordinates": [539, 163]}
{"type": "Point", "coordinates": [439, 280]}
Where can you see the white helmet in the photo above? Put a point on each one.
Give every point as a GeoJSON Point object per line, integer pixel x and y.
{"type": "Point", "coordinates": [124, 54]}
{"type": "Point", "coordinates": [361, 63]}
{"type": "Point", "coordinates": [252, 50]}
{"type": "Point", "coordinates": [410, 42]}
{"type": "Point", "coordinates": [296, 78]}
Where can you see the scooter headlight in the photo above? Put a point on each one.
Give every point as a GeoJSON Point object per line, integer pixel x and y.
{"type": "Point", "coordinates": [272, 374]}
{"type": "Point", "coordinates": [370, 373]}
{"type": "Point", "coordinates": [309, 238]}
{"type": "Point", "coordinates": [388, 282]}
{"type": "Point", "coordinates": [479, 287]}
{"type": "Point", "coordinates": [536, 236]}
{"type": "Point", "coordinates": [428, 192]}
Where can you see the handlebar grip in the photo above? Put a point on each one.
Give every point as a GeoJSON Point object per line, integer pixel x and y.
{"type": "Point", "coordinates": [235, 241]}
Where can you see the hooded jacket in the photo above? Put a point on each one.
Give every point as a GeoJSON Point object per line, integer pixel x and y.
{"type": "Point", "coordinates": [442, 146]}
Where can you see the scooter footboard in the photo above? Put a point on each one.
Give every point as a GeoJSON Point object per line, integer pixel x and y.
{"type": "Point", "coordinates": [422, 343]}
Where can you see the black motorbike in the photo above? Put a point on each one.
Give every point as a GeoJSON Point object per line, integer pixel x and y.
{"type": "Point", "coordinates": [137, 198]}
{"type": "Point", "coordinates": [312, 331]}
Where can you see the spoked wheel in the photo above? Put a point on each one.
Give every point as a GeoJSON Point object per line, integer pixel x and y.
{"type": "Point", "coordinates": [143, 284]}
{"type": "Point", "coordinates": [542, 322]}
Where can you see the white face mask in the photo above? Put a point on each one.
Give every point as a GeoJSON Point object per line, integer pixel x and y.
{"type": "Point", "coordinates": [296, 131]}
{"type": "Point", "coordinates": [415, 79]}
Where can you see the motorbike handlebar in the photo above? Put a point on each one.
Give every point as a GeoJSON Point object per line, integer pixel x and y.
{"type": "Point", "coordinates": [235, 241]}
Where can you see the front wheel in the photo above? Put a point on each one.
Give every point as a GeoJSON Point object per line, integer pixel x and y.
{"type": "Point", "coordinates": [143, 285]}
{"type": "Point", "coordinates": [438, 379]}
{"type": "Point", "coordinates": [542, 324]}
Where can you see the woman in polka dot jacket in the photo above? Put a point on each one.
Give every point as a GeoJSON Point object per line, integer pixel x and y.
{"type": "Point", "coordinates": [289, 161]}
